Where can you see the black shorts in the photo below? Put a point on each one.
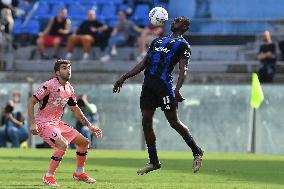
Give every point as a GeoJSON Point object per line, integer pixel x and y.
{"type": "Point", "coordinates": [158, 96]}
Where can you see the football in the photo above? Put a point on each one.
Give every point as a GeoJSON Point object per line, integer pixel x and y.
{"type": "Point", "coordinates": [158, 16]}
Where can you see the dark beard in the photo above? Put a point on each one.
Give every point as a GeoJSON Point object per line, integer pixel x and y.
{"type": "Point", "coordinates": [67, 78]}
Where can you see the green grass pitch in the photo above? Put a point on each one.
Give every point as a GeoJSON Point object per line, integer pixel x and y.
{"type": "Point", "coordinates": [24, 168]}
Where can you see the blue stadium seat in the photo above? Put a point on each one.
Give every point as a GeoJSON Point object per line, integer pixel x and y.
{"type": "Point", "coordinates": [68, 2]}
{"type": "Point", "coordinates": [252, 9]}
{"type": "Point", "coordinates": [75, 24]}
{"type": "Point", "coordinates": [57, 7]}
{"type": "Point", "coordinates": [117, 2]}
{"type": "Point", "coordinates": [18, 28]}
{"type": "Point", "coordinates": [123, 7]}
{"type": "Point", "coordinates": [112, 22]}
{"type": "Point", "coordinates": [101, 18]}
{"type": "Point", "coordinates": [157, 3]}
{"type": "Point", "coordinates": [140, 15]}
{"type": "Point", "coordinates": [77, 11]}
{"type": "Point", "coordinates": [103, 2]}
{"type": "Point", "coordinates": [182, 7]}
{"type": "Point", "coordinates": [93, 6]}
{"type": "Point", "coordinates": [42, 11]}
{"type": "Point", "coordinates": [50, 2]}
{"type": "Point", "coordinates": [109, 11]}
{"type": "Point", "coordinates": [32, 27]}
{"type": "Point", "coordinates": [84, 1]}
{"type": "Point", "coordinates": [229, 26]}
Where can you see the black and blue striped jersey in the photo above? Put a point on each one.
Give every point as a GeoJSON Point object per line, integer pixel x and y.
{"type": "Point", "coordinates": [163, 54]}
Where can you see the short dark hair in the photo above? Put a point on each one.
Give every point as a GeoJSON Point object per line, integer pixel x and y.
{"type": "Point", "coordinates": [59, 62]}
{"type": "Point", "coordinates": [183, 19]}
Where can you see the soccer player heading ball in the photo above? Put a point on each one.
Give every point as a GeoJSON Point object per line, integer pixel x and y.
{"type": "Point", "coordinates": [52, 96]}
{"type": "Point", "coordinates": [157, 90]}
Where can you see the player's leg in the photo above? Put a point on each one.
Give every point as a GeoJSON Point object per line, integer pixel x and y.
{"type": "Point", "coordinates": [183, 130]}
{"type": "Point", "coordinates": [56, 44]}
{"type": "Point", "coordinates": [82, 144]}
{"type": "Point", "coordinates": [13, 135]}
{"type": "Point", "coordinates": [148, 105]}
{"type": "Point", "coordinates": [150, 138]}
{"type": "Point", "coordinates": [74, 137]}
{"type": "Point", "coordinates": [87, 41]}
{"type": "Point", "coordinates": [71, 42]}
{"type": "Point", "coordinates": [149, 134]}
{"type": "Point", "coordinates": [53, 137]}
{"type": "Point", "coordinates": [40, 45]}
{"type": "Point", "coordinates": [59, 151]}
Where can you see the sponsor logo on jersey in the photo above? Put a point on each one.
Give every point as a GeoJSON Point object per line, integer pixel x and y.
{"type": "Point", "coordinates": [54, 134]}
{"type": "Point", "coordinates": [162, 49]}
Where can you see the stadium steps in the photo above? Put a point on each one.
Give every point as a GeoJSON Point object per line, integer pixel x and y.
{"type": "Point", "coordinates": [126, 53]}
{"type": "Point", "coordinates": [110, 78]}
{"type": "Point", "coordinates": [31, 53]}
{"type": "Point", "coordinates": [122, 66]}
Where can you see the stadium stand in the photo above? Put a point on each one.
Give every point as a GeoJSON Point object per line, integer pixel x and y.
{"type": "Point", "coordinates": [224, 40]}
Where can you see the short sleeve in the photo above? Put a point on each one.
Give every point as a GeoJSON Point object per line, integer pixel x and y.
{"type": "Point", "coordinates": [42, 91]}
{"type": "Point", "coordinates": [185, 51]}
{"type": "Point", "coordinates": [72, 101]}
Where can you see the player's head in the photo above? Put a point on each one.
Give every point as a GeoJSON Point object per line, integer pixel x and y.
{"type": "Point", "coordinates": [91, 15]}
{"type": "Point", "coordinates": [180, 24]}
{"type": "Point", "coordinates": [121, 15]}
{"type": "Point", "coordinates": [62, 12]}
{"type": "Point", "coordinates": [266, 37]}
{"type": "Point", "coordinates": [62, 69]}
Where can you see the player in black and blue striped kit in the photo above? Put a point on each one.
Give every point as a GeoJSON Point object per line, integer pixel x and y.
{"type": "Point", "coordinates": [157, 90]}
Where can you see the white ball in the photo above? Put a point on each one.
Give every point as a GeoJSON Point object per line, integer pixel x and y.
{"type": "Point", "coordinates": [158, 16]}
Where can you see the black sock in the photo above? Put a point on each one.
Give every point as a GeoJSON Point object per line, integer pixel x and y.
{"type": "Point", "coordinates": [152, 151]}
{"type": "Point", "coordinates": [191, 143]}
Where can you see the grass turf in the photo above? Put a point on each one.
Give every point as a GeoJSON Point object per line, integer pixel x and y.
{"type": "Point", "coordinates": [24, 168]}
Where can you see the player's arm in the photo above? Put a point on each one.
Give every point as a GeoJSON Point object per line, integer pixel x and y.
{"type": "Point", "coordinates": [102, 28]}
{"type": "Point", "coordinates": [66, 28]}
{"type": "Point", "coordinates": [183, 67]}
{"type": "Point", "coordinates": [80, 116]}
{"type": "Point", "coordinates": [17, 123]}
{"type": "Point", "coordinates": [31, 104]}
{"type": "Point", "coordinates": [185, 53]}
{"type": "Point", "coordinates": [134, 71]}
{"type": "Point", "coordinates": [39, 95]}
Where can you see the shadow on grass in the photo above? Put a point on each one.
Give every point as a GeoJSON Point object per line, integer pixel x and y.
{"type": "Point", "coordinates": [244, 170]}
{"type": "Point", "coordinates": [21, 186]}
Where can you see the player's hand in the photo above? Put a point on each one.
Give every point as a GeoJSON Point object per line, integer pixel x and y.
{"type": "Point", "coordinates": [33, 129]}
{"type": "Point", "coordinates": [118, 85]}
{"type": "Point", "coordinates": [93, 29]}
{"type": "Point", "coordinates": [179, 97]}
{"type": "Point", "coordinates": [97, 131]}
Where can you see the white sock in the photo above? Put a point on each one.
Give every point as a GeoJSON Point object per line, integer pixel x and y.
{"type": "Point", "coordinates": [80, 170]}
{"type": "Point", "coordinates": [49, 175]}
